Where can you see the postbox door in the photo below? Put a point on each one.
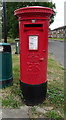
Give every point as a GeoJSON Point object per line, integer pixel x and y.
{"type": "Point", "coordinates": [34, 56]}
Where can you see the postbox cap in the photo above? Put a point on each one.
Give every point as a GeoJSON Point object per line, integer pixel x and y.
{"type": "Point", "coordinates": [33, 11]}
{"type": "Point", "coordinates": [17, 39]}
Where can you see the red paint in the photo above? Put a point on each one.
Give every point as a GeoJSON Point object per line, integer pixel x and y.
{"type": "Point", "coordinates": [33, 63]}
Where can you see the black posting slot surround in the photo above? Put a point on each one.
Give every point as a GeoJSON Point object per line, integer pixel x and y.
{"type": "Point", "coordinates": [33, 25]}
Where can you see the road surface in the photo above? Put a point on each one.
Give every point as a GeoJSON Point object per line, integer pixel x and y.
{"type": "Point", "coordinates": [56, 48]}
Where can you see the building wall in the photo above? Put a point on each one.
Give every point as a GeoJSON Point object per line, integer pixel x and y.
{"type": "Point", "coordinates": [58, 32]}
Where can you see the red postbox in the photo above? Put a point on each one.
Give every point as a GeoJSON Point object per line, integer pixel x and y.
{"type": "Point", "coordinates": [33, 29]}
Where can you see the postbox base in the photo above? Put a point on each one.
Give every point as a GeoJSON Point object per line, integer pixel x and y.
{"type": "Point", "coordinates": [6, 83]}
{"type": "Point", "coordinates": [33, 94]}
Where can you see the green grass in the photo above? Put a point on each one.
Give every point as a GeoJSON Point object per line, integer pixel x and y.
{"type": "Point", "coordinates": [9, 40]}
{"type": "Point", "coordinates": [53, 115]}
{"type": "Point", "coordinates": [55, 93]}
{"type": "Point", "coordinates": [55, 84]}
{"type": "Point", "coordinates": [12, 95]}
{"type": "Point", "coordinates": [11, 102]}
{"type": "Point", "coordinates": [62, 39]}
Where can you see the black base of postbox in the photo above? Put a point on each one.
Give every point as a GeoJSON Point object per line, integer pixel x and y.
{"type": "Point", "coordinates": [33, 94]}
{"type": "Point", "coordinates": [6, 83]}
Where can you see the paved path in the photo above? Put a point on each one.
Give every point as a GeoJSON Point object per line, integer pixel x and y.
{"type": "Point", "coordinates": [56, 48]}
{"type": "Point", "coordinates": [16, 113]}
{"type": "Point", "coordinates": [27, 112]}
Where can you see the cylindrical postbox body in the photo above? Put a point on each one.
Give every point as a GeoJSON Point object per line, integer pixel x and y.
{"type": "Point", "coordinates": [6, 77]}
{"type": "Point", "coordinates": [33, 28]}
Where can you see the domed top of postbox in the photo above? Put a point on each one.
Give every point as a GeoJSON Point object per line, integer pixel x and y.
{"type": "Point", "coordinates": [34, 12]}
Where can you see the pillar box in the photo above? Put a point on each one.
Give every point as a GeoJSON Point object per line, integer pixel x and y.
{"type": "Point", "coordinates": [33, 30]}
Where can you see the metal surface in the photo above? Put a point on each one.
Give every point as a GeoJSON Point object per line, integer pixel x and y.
{"type": "Point", "coordinates": [6, 76]}
{"type": "Point", "coordinates": [33, 55]}
{"type": "Point", "coordinates": [17, 43]}
{"type": "Point", "coordinates": [33, 52]}
{"type": "Point", "coordinates": [34, 94]}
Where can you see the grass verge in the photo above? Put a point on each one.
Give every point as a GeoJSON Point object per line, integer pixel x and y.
{"type": "Point", "coordinates": [9, 40]}
{"type": "Point", "coordinates": [12, 95]}
{"type": "Point", "coordinates": [61, 39]}
{"type": "Point", "coordinates": [55, 93]}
